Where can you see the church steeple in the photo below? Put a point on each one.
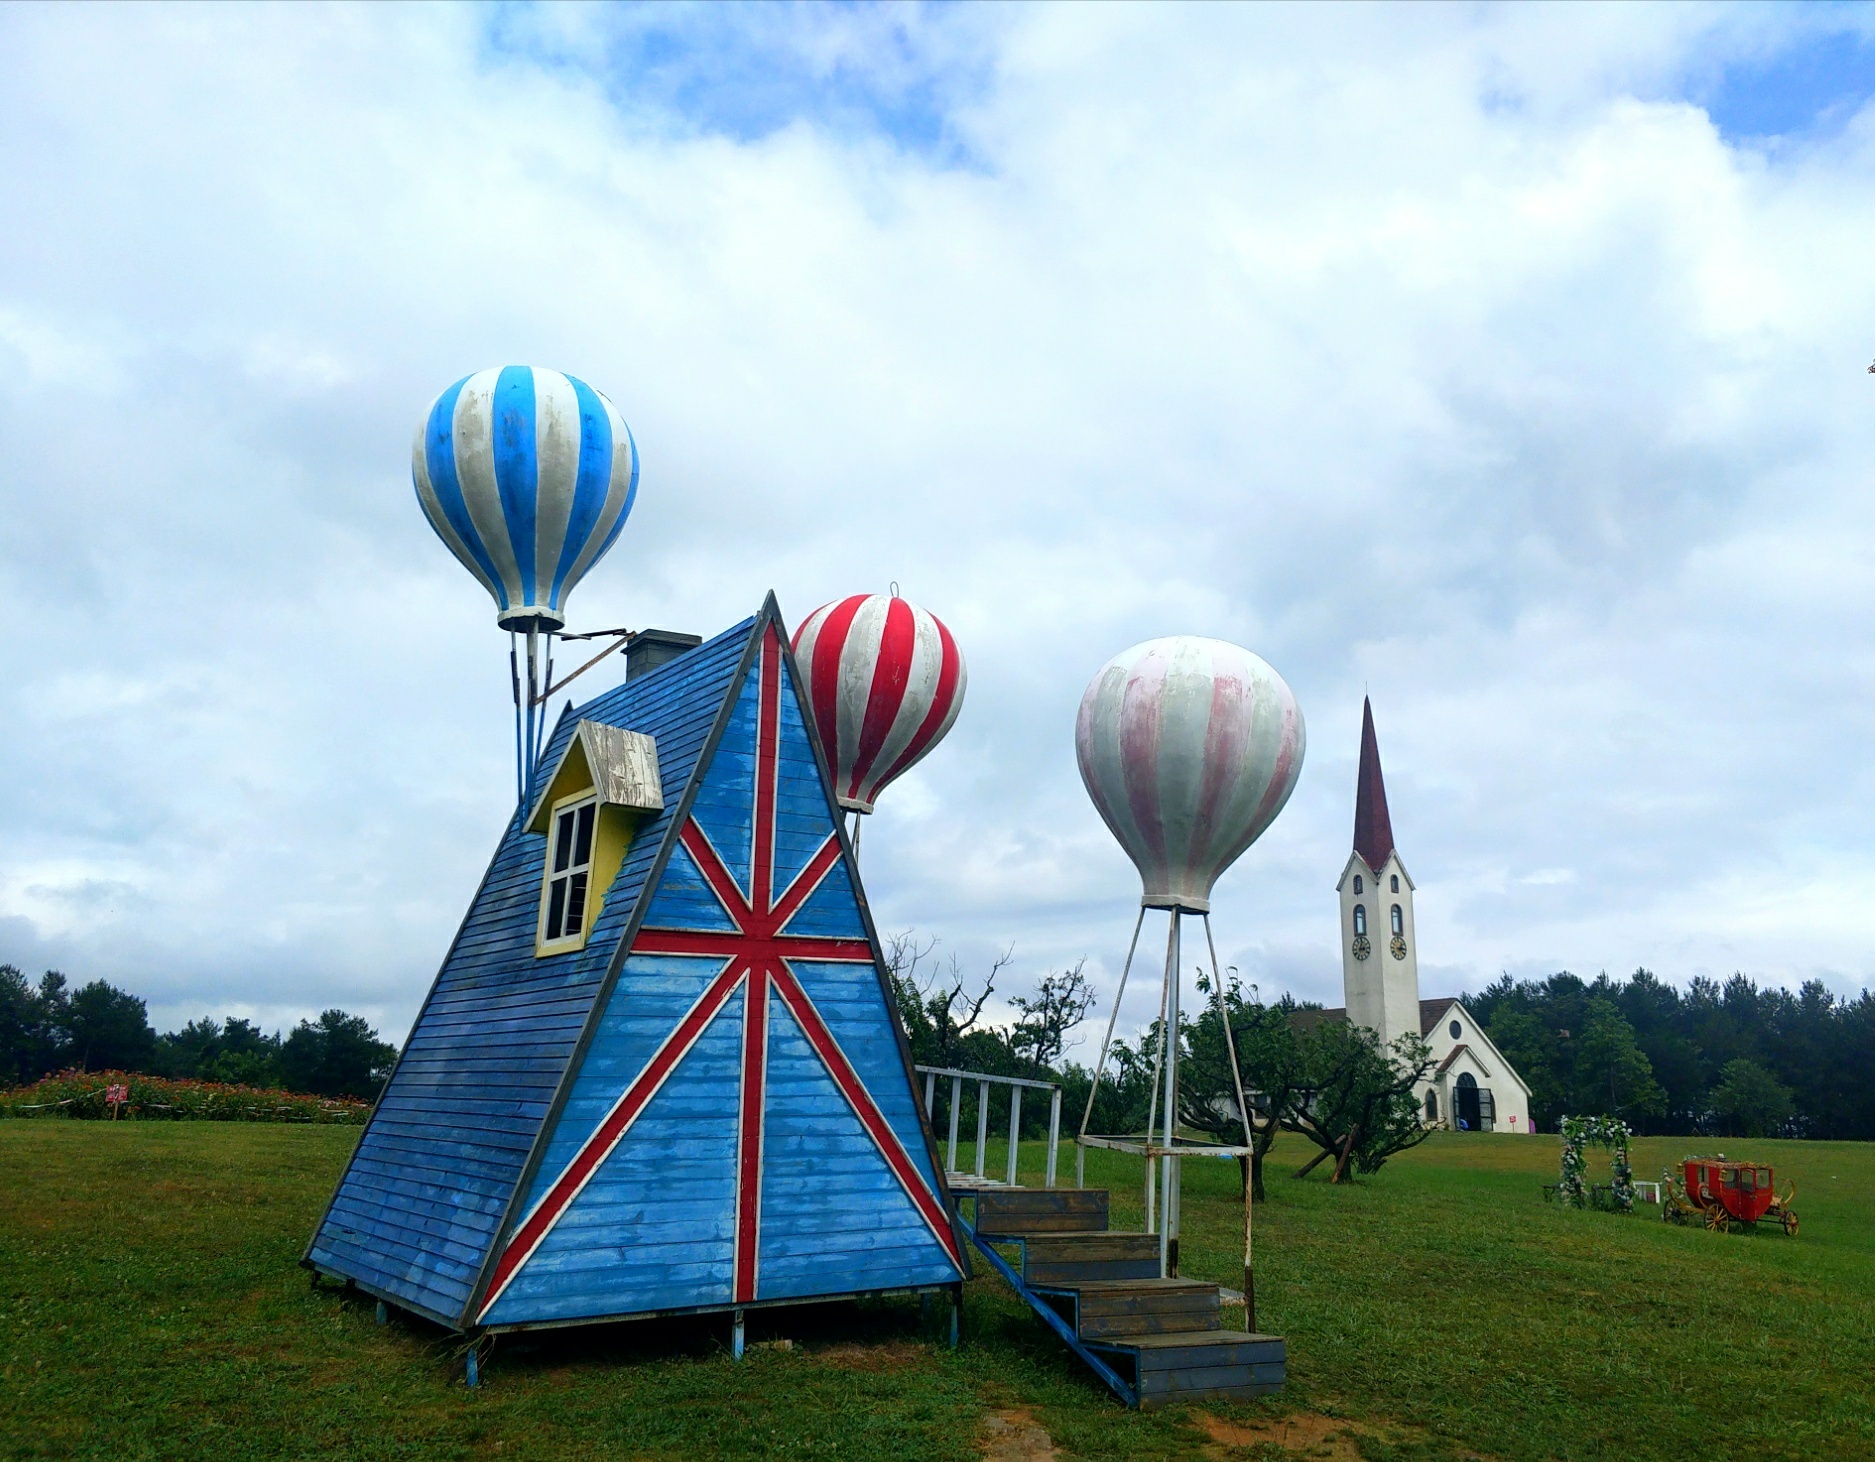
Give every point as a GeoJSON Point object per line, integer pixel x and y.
{"type": "Point", "coordinates": [1373, 829]}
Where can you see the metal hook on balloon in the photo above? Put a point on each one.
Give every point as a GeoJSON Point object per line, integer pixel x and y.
{"type": "Point", "coordinates": [895, 588]}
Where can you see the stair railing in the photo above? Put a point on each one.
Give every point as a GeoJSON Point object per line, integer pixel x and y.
{"type": "Point", "coordinates": [984, 1081]}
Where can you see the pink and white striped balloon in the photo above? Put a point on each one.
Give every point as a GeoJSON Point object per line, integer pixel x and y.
{"type": "Point", "coordinates": [885, 681]}
{"type": "Point", "coordinates": [1189, 748]}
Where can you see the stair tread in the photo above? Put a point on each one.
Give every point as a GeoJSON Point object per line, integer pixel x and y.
{"type": "Point", "coordinates": [1129, 1286]}
{"type": "Point", "coordinates": [1181, 1339]}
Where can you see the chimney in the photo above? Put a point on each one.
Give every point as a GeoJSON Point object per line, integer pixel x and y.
{"type": "Point", "coordinates": [650, 648]}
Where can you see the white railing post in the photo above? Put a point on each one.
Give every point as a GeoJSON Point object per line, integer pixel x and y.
{"type": "Point", "coordinates": [930, 1095]}
{"type": "Point", "coordinates": [983, 1122]}
{"type": "Point", "coordinates": [1015, 1129]}
{"type": "Point", "coordinates": [957, 1098]}
{"type": "Point", "coordinates": [1054, 1132]}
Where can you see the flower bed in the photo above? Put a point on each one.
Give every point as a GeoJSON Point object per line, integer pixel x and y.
{"type": "Point", "coordinates": [108, 1095]}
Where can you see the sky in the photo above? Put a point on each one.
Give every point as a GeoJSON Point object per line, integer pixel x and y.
{"type": "Point", "coordinates": [1507, 364]}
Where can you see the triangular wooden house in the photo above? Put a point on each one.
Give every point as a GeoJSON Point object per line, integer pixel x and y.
{"type": "Point", "coordinates": [660, 1070]}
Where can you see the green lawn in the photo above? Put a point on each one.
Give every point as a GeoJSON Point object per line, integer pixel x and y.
{"type": "Point", "coordinates": [151, 1306]}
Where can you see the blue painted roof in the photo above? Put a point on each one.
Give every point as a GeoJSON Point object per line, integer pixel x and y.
{"type": "Point", "coordinates": [418, 1209]}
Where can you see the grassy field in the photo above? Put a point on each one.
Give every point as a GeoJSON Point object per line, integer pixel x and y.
{"type": "Point", "coordinates": [151, 1306]}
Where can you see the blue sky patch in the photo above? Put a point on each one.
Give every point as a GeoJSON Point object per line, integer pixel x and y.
{"type": "Point", "coordinates": [747, 71]}
{"type": "Point", "coordinates": [1811, 86]}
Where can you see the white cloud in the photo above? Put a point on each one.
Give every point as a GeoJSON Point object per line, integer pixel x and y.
{"type": "Point", "coordinates": [1441, 353]}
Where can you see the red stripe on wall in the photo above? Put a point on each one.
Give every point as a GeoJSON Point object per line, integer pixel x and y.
{"type": "Point", "coordinates": [870, 1117]}
{"type": "Point", "coordinates": [749, 1133]}
{"type": "Point", "coordinates": [607, 1135]}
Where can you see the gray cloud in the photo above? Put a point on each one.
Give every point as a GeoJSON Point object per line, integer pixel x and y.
{"type": "Point", "coordinates": [1449, 359]}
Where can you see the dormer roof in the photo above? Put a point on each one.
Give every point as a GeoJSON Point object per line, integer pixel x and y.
{"type": "Point", "coordinates": [620, 766]}
{"type": "Point", "coordinates": [1373, 829]}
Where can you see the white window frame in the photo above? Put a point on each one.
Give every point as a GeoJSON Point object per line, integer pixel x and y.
{"type": "Point", "coordinates": [568, 807]}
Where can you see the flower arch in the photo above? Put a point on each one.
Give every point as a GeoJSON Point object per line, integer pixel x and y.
{"type": "Point", "coordinates": [1610, 1132]}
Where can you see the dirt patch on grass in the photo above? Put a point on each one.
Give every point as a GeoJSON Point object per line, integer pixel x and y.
{"type": "Point", "coordinates": [877, 1355]}
{"type": "Point", "coordinates": [1302, 1433]}
{"type": "Point", "coordinates": [1012, 1435]}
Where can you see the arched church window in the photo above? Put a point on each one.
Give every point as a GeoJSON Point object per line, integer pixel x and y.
{"type": "Point", "coordinates": [1357, 883]}
{"type": "Point", "coordinates": [1399, 922]}
{"type": "Point", "coordinates": [1360, 918]}
{"type": "Point", "coordinates": [1432, 1105]}
{"type": "Point", "coordinates": [1466, 1079]}
{"type": "Point", "coordinates": [1394, 882]}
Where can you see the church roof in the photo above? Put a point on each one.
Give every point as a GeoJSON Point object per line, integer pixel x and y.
{"type": "Point", "coordinates": [1430, 1014]}
{"type": "Point", "coordinates": [1432, 1011]}
{"type": "Point", "coordinates": [1373, 829]}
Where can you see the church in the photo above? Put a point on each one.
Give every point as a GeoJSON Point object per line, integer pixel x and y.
{"type": "Point", "coordinates": [1470, 1086]}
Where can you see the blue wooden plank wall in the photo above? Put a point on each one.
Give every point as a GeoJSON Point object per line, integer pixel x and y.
{"type": "Point", "coordinates": [418, 1208]}
{"type": "Point", "coordinates": [655, 1227]}
{"type": "Point", "coordinates": [834, 1218]}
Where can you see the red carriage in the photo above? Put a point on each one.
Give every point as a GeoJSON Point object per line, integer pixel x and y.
{"type": "Point", "coordinates": [1719, 1193]}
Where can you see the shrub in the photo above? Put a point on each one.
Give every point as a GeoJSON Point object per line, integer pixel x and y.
{"type": "Point", "coordinates": [82, 1094]}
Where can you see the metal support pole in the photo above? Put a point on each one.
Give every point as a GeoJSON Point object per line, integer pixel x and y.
{"type": "Point", "coordinates": [736, 1337]}
{"type": "Point", "coordinates": [1015, 1129]}
{"type": "Point", "coordinates": [983, 1122]}
{"type": "Point", "coordinates": [473, 1370]}
{"type": "Point", "coordinates": [930, 1096]}
{"type": "Point", "coordinates": [957, 1097]}
{"type": "Point", "coordinates": [1158, 1068]}
{"type": "Point", "coordinates": [1106, 1041]}
{"type": "Point", "coordinates": [1249, 1136]}
{"type": "Point", "coordinates": [384, 1314]}
{"type": "Point", "coordinates": [1168, 1239]}
{"type": "Point", "coordinates": [957, 1314]}
{"type": "Point", "coordinates": [1054, 1132]}
{"type": "Point", "coordinates": [520, 744]}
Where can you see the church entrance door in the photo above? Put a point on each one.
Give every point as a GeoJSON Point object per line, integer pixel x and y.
{"type": "Point", "coordinates": [1465, 1102]}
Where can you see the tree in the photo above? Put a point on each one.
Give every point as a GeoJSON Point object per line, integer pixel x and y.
{"type": "Point", "coordinates": [1749, 1101]}
{"type": "Point", "coordinates": [940, 1014]}
{"type": "Point", "coordinates": [1269, 1060]}
{"type": "Point", "coordinates": [341, 1056]}
{"type": "Point", "coordinates": [1612, 1074]}
{"type": "Point", "coordinates": [19, 1029]}
{"type": "Point", "coordinates": [1060, 1003]}
{"type": "Point", "coordinates": [1354, 1100]}
{"type": "Point", "coordinates": [110, 1030]}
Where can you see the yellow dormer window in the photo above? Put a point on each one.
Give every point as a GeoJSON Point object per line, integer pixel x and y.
{"type": "Point", "coordinates": [605, 785]}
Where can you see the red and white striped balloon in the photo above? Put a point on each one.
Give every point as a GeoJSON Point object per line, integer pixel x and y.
{"type": "Point", "coordinates": [885, 681]}
{"type": "Point", "coordinates": [1189, 748]}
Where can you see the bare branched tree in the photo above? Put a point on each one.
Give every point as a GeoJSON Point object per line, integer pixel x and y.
{"type": "Point", "coordinates": [1061, 1001]}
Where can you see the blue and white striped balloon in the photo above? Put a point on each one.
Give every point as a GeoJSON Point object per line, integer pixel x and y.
{"type": "Point", "coordinates": [527, 476]}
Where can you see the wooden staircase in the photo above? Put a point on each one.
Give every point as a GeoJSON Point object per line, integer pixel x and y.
{"type": "Point", "coordinates": [1152, 1339]}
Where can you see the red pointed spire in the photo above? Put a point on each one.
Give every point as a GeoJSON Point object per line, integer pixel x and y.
{"type": "Point", "coordinates": [1373, 829]}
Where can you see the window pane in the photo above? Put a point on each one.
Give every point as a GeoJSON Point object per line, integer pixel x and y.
{"type": "Point", "coordinates": [1357, 884]}
{"type": "Point", "coordinates": [575, 903]}
{"type": "Point", "coordinates": [582, 845]}
{"type": "Point", "coordinates": [1399, 926]}
{"type": "Point", "coordinates": [1360, 919]}
{"type": "Point", "coordinates": [556, 907]}
{"type": "Point", "coordinates": [562, 841]}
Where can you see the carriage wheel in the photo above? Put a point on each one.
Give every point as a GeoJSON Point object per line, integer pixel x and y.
{"type": "Point", "coordinates": [1790, 1223]}
{"type": "Point", "coordinates": [1718, 1220]}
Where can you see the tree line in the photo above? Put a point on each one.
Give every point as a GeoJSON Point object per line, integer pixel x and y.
{"type": "Point", "coordinates": [1719, 1059]}
{"type": "Point", "coordinates": [97, 1027]}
